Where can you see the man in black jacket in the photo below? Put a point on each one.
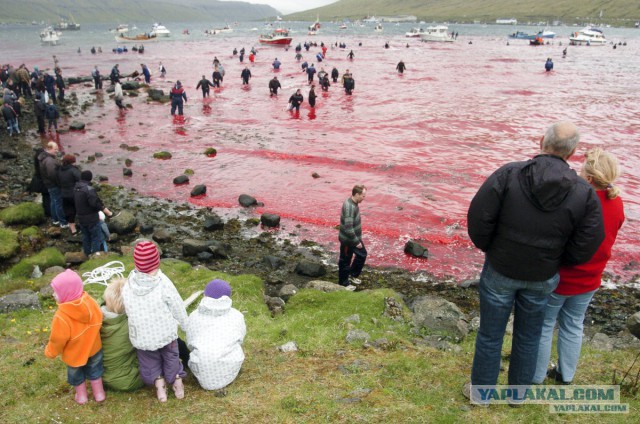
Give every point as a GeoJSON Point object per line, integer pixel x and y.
{"type": "Point", "coordinates": [48, 160]}
{"type": "Point", "coordinates": [88, 204]}
{"type": "Point", "coordinates": [529, 218]}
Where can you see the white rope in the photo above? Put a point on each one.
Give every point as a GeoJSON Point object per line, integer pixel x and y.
{"type": "Point", "coordinates": [102, 274]}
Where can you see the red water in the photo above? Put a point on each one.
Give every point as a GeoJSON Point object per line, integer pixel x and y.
{"type": "Point", "coordinates": [422, 142]}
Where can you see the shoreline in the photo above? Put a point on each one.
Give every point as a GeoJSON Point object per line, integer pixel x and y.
{"type": "Point", "coordinates": [247, 246]}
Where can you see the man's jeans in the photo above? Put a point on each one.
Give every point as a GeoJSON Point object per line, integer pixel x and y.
{"type": "Point", "coordinates": [569, 312]}
{"type": "Point", "coordinates": [57, 213]}
{"type": "Point", "coordinates": [345, 267]}
{"type": "Point", "coordinates": [92, 238]}
{"type": "Point", "coordinates": [498, 295]}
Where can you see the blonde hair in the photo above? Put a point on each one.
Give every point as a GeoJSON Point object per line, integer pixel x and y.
{"type": "Point", "coordinates": [113, 296]}
{"type": "Point", "coordinates": [601, 170]}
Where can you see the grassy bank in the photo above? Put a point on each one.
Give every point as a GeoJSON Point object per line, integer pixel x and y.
{"type": "Point", "coordinates": [327, 380]}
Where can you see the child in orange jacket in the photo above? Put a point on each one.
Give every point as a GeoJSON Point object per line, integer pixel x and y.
{"type": "Point", "coordinates": [75, 334]}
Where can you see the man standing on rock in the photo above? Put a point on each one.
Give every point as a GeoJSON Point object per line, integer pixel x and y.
{"type": "Point", "coordinates": [88, 205]}
{"type": "Point", "coordinates": [350, 237]}
{"type": "Point", "coordinates": [48, 161]}
{"type": "Point", "coordinates": [529, 218]}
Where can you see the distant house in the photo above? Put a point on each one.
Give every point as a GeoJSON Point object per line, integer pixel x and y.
{"type": "Point", "coordinates": [507, 21]}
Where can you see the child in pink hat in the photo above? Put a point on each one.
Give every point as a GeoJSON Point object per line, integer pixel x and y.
{"type": "Point", "coordinates": [75, 334]}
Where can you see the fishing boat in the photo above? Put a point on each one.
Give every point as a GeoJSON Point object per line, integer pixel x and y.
{"type": "Point", "coordinates": [64, 25]}
{"type": "Point", "coordinates": [414, 33]}
{"type": "Point", "coordinates": [120, 29]}
{"type": "Point", "coordinates": [315, 27]}
{"type": "Point", "coordinates": [50, 36]}
{"type": "Point", "coordinates": [216, 31]}
{"type": "Point", "coordinates": [160, 30]}
{"type": "Point", "coordinates": [136, 38]}
{"type": "Point", "coordinates": [438, 33]}
{"type": "Point", "coordinates": [538, 41]}
{"type": "Point", "coordinates": [589, 36]}
{"type": "Point", "coordinates": [519, 35]}
{"type": "Point", "coordinates": [278, 37]}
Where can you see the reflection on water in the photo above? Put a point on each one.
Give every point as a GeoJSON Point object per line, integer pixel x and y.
{"type": "Point", "coordinates": [422, 142]}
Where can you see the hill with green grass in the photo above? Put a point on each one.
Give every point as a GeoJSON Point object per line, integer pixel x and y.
{"type": "Point", "coordinates": [615, 12]}
{"type": "Point", "coordinates": [117, 11]}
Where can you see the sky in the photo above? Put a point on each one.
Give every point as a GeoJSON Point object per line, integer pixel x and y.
{"type": "Point", "coordinates": [290, 6]}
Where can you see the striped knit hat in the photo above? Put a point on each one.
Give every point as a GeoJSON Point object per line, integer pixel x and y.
{"type": "Point", "coordinates": [146, 257]}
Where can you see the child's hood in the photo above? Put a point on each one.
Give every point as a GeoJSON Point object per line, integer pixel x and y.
{"type": "Point", "coordinates": [215, 307]}
{"type": "Point", "coordinates": [142, 284]}
{"type": "Point", "coordinates": [79, 310]}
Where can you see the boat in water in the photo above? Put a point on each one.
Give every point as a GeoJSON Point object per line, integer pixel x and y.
{"type": "Point", "coordinates": [278, 37]}
{"type": "Point", "coordinates": [520, 35]}
{"type": "Point", "coordinates": [414, 33]}
{"type": "Point", "coordinates": [217, 31]}
{"type": "Point", "coordinates": [438, 34]}
{"type": "Point", "coordinates": [120, 29]}
{"type": "Point", "coordinates": [589, 36]}
{"type": "Point", "coordinates": [160, 30]}
{"type": "Point", "coordinates": [378, 28]}
{"type": "Point", "coordinates": [50, 36]}
{"type": "Point", "coordinates": [135, 38]}
{"type": "Point", "coordinates": [64, 25]}
{"type": "Point", "coordinates": [315, 27]}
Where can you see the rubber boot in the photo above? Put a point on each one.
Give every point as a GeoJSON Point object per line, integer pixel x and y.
{"type": "Point", "coordinates": [161, 389]}
{"type": "Point", "coordinates": [178, 388]}
{"type": "Point", "coordinates": [98, 390]}
{"type": "Point", "coordinates": [81, 393]}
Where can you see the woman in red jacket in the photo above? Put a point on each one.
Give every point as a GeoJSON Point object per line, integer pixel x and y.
{"type": "Point", "coordinates": [578, 283]}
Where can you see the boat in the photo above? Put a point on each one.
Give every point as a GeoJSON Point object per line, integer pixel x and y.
{"type": "Point", "coordinates": [136, 38]}
{"type": "Point", "coordinates": [590, 36]}
{"type": "Point", "coordinates": [216, 31]}
{"type": "Point", "coordinates": [50, 36]}
{"type": "Point", "coordinates": [378, 28]}
{"type": "Point", "coordinates": [64, 25]}
{"type": "Point", "coordinates": [160, 30]}
{"type": "Point", "coordinates": [278, 37]}
{"type": "Point", "coordinates": [370, 19]}
{"type": "Point", "coordinates": [315, 27]}
{"type": "Point", "coordinates": [344, 26]}
{"type": "Point", "coordinates": [438, 33]}
{"type": "Point", "coordinates": [120, 29]}
{"type": "Point", "coordinates": [519, 35]}
{"type": "Point", "coordinates": [538, 41]}
{"type": "Point", "coordinates": [414, 33]}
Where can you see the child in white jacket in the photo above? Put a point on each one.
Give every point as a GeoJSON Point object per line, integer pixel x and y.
{"type": "Point", "coordinates": [215, 334]}
{"type": "Point", "coordinates": [155, 309]}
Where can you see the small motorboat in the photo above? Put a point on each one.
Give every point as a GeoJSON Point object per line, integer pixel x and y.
{"type": "Point", "coordinates": [120, 29]}
{"type": "Point", "coordinates": [135, 38]}
{"type": "Point", "coordinates": [589, 36]}
{"type": "Point", "coordinates": [538, 41]}
{"type": "Point", "coordinates": [278, 37]}
{"type": "Point", "coordinates": [414, 33]}
{"type": "Point", "coordinates": [50, 36]}
{"type": "Point", "coordinates": [438, 33]}
{"type": "Point", "coordinates": [160, 30]}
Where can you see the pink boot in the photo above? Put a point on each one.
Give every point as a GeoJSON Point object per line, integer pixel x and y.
{"type": "Point", "coordinates": [178, 388]}
{"type": "Point", "coordinates": [161, 389]}
{"type": "Point", "coordinates": [98, 390]}
{"type": "Point", "coordinates": [81, 393]}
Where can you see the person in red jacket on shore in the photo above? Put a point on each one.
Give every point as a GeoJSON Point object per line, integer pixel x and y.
{"type": "Point", "coordinates": [578, 283]}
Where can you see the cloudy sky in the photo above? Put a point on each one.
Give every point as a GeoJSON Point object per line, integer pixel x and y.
{"type": "Point", "coordinates": [290, 6]}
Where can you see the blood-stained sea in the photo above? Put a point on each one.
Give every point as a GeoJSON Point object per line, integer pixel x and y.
{"type": "Point", "coordinates": [422, 142]}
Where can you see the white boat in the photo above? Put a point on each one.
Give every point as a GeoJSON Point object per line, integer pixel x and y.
{"type": "Point", "coordinates": [50, 36]}
{"type": "Point", "coordinates": [370, 19]}
{"type": "Point", "coordinates": [589, 36]}
{"type": "Point", "coordinates": [378, 28]}
{"type": "Point", "coordinates": [120, 29]}
{"type": "Point", "coordinates": [438, 33]}
{"type": "Point", "coordinates": [215, 31]}
{"type": "Point", "coordinates": [160, 30]}
{"type": "Point", "coordinates": [414, 33]}
{"type": "Point", "coordinates": [344, 26]}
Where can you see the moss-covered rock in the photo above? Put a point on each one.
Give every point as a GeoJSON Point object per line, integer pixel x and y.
{"type": "Point", "coordinates": [31, 232]}
{"type": "Point", "coordinates": [27, 213]}
{"type": "Point", "coordinates": [211, 152]}
{"type": "Point", "coordinates": [188, 172]}
{"type": "Point", "coordinates": [9, 245]}
{"type": "Point", "coordinates": [44, 259]}
{"type": "Point", "coordinates": [162, 155]}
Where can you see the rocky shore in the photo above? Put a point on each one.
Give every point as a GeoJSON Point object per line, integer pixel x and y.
{"type": "Point", "coordinates": [244, 244]}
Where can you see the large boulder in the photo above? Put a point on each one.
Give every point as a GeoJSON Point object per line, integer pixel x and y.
{"type": "Point", "coordinates": [181, 179]}
{"type": "Point", "coordinates": [213, 223]}
{"type": "Point", "coordinates": [19, 299]}
{"type": "Point", "coordinates": [123, 223]}
{"type": "Point", "coordinates": [247, 201]}
{"type": "Point", "coordinates": [324, 286]}
{"type": "Point", "coordinates": [220, 250]}
{"type": "Point", "coordinates": [76, 126]}
{"type": "Point", "coordinates": [439, 316]}
{"type": "Point", "coordinates": [27, 213]}
{"type": "Point", "coordinates": [310, 269]}
{"type": "Point", "coordinates": [633, 324]}
{"type": "Point", "coordinates": [270, 220]}
{"type": "Point", "coordinates": [44, 259]}
{"type": "Point", "coordinates": [191, 247]}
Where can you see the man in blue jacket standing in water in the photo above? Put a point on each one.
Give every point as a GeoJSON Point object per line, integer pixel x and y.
{"type": "Point", "coordinates": [529, 218]}
{"type": "Point", "coordinates": [350, 236]}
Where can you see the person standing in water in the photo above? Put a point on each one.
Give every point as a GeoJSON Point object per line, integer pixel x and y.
{"type": "Point", "coordinates": [400, 67]}
{"type": "Point", "coordinates": [204, 84]}
{"type": "Point", "coordinates": [312, 96]}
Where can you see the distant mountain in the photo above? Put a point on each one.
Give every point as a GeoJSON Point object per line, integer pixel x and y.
{"type": "Point", "coordinates": [121, 11]}
{"type": "Point", "coordinates": [615, 12]}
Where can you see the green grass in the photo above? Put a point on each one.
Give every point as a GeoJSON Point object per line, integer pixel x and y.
{"type": "Point", "coordinates": [8, 243]}
{"type": "Point", "coordinates": [44, 259]}
{"type": "Point", "coordinates": [23, 214]}
{"type": "Point", "coordinates": [327, 380]}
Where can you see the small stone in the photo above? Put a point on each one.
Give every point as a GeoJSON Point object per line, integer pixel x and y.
{"type": "Point", "coordinates": [127, 172]}
{"type": "Point", "coordinates": [247, 201]}
{"type": "Point", "coordinates": [288, 347]}
{"type": "Point", "coordinates": [181, 179]}
{"type": "Point", "coordinates": [270, 220]}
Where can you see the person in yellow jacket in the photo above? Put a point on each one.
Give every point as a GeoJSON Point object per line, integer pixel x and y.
{"type": "Point", "coordinates": [75, 335]}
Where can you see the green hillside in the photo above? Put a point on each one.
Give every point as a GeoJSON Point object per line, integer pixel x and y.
{"type": "Point", "coordinates": [615, 12]}
{"type": "Point", "coordinates": [115, 11]}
